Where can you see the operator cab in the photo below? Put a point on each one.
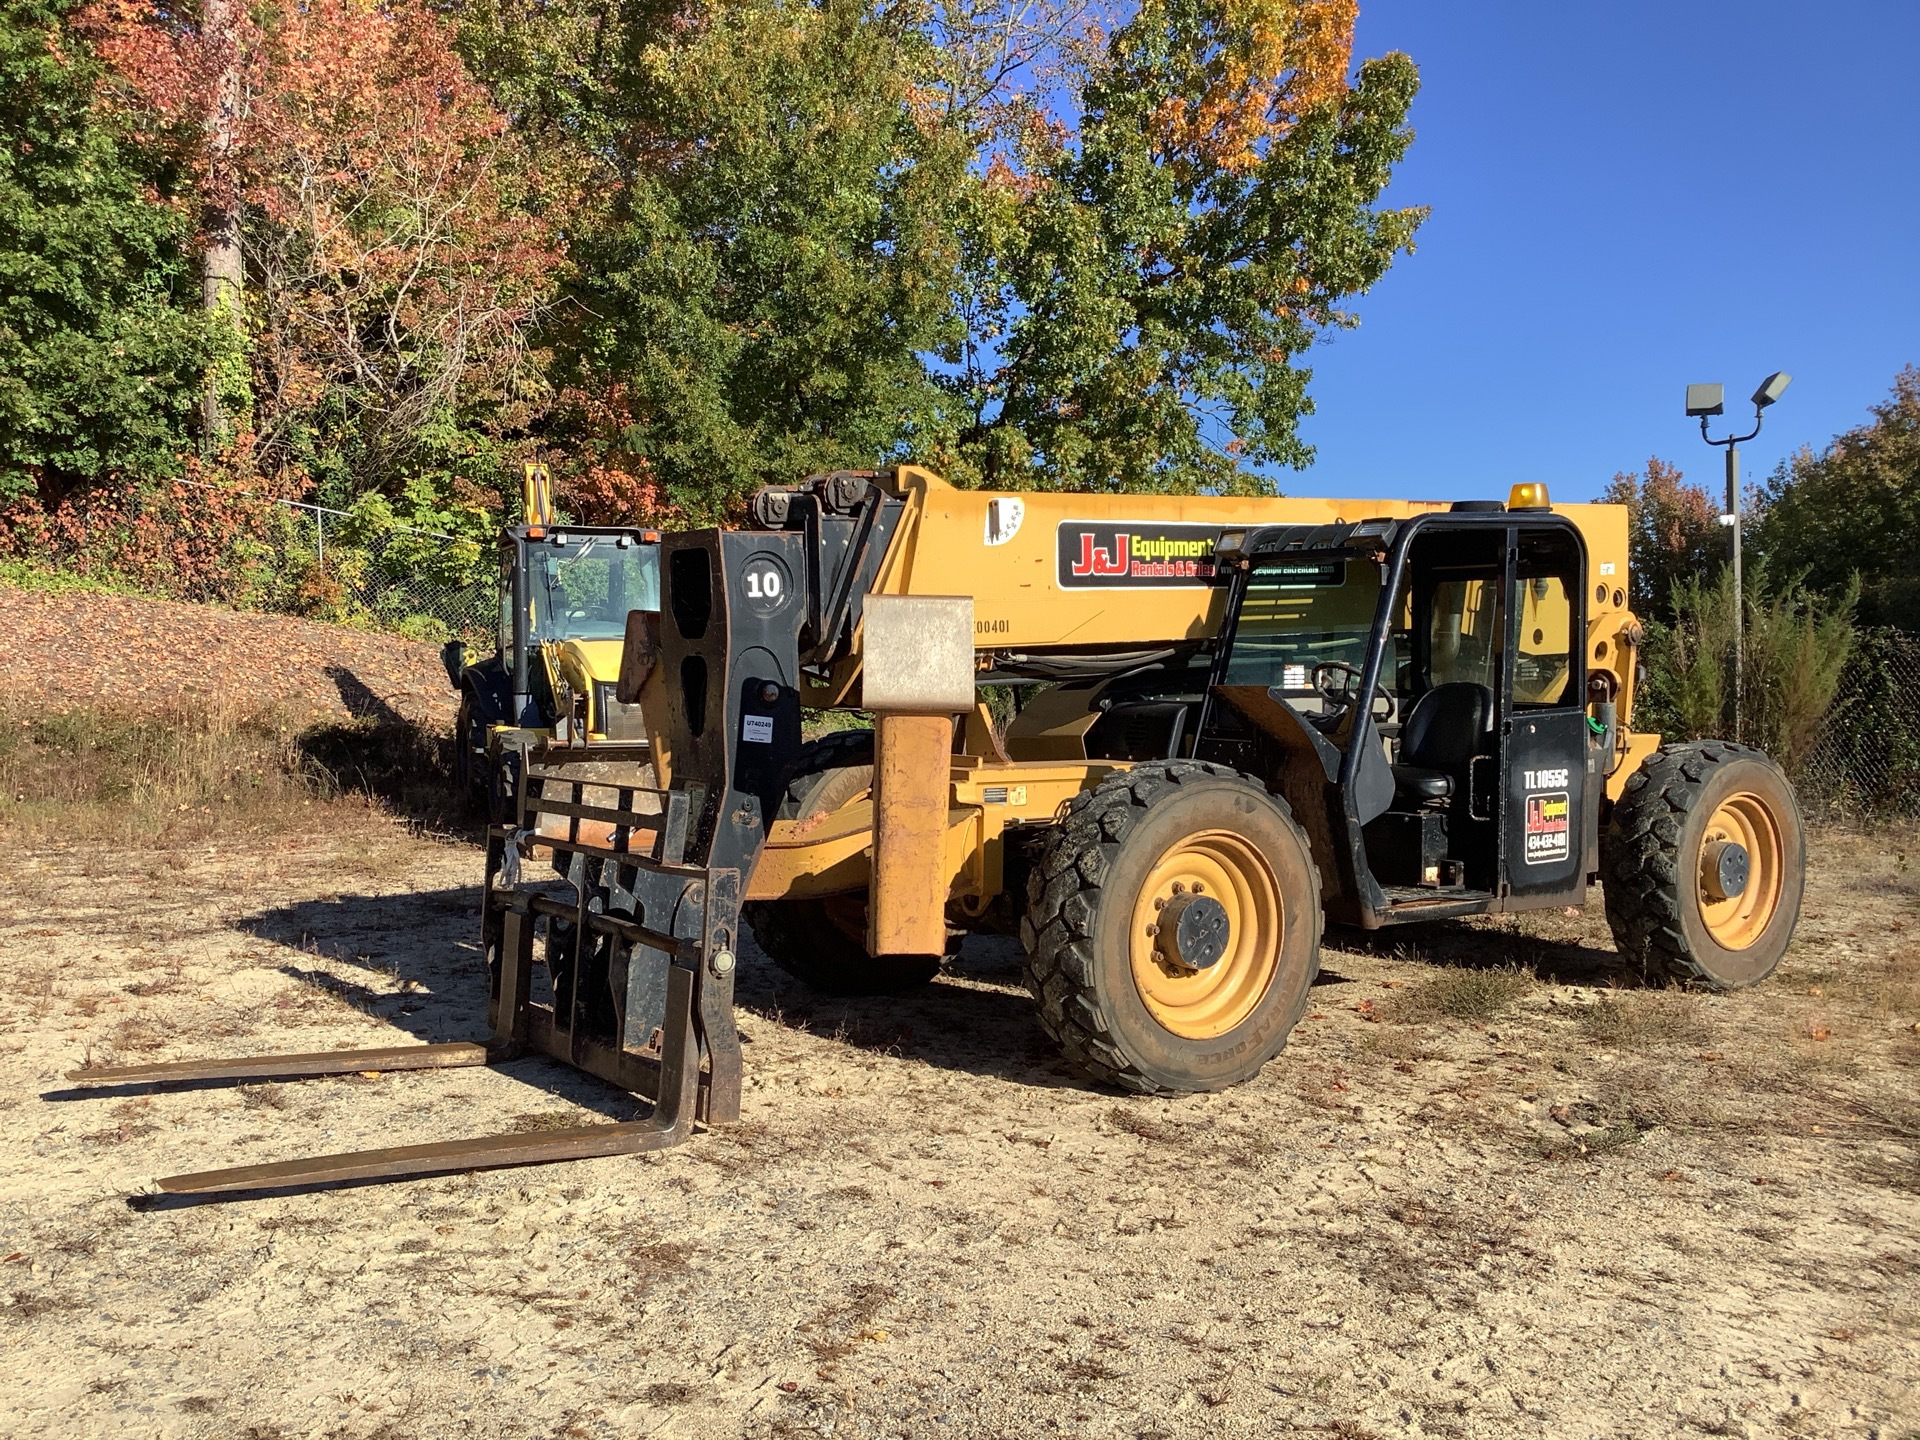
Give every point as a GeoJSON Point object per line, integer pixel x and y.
{"type": "Point", "coordinates": [1417, 691]}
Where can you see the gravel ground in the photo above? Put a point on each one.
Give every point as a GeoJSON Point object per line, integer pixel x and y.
{"type": "Point", "coordinates": [1491, 1189]}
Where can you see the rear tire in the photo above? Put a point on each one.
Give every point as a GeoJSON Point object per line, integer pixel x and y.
{"type": "Point", "coordinates": [1122, 1012]}
{"type": "Point", "coordinates": [823, 941]}
{"type": "Point", "coordinates": [1660, 861]}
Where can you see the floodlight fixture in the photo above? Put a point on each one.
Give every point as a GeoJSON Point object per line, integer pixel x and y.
{"type": "Point", "coordinates": [1705, 400]}
{"type": "Point", "coordinates": [1703, 403]}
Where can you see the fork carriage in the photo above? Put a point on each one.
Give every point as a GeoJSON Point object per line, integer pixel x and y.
{"type": "Point", "coordinates": [638, 947]}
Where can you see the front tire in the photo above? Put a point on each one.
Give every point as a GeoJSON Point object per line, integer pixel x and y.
{"type": "Point", "coordinates": [468, 779]}
{"type": "Point", "coordinates": [1704, 865]}
{"type": "Point", "coordinates": [1164, 1006]}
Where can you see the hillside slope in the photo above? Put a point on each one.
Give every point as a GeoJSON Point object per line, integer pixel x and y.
{"type": "Point", "coordinates": [124, 652]}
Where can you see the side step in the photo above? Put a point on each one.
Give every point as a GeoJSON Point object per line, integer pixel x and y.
{"type": "Point", "coordinates": [276, 1067]}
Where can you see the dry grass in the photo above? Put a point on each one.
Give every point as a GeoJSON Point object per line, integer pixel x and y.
{"type": "Point", "coordinates": [1645, 1022]}
{"type": "Point", "coordinates": [188, 769]}
{"type": "Point", "coordinates": [1475, 995]}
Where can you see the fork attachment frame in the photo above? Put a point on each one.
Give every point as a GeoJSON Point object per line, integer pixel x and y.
{"type": "Point", "coordinates": [642, 994]}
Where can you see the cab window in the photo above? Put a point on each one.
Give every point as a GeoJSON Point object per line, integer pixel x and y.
{"type": "Point", "coordinates": [1462, 623]}
{"type": "Point", "coordinates": [1301, 612]}
{"type": "Point", "coordinates": [1545, 646]}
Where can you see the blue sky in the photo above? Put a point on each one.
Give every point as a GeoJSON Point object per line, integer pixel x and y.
{"type": "Point", "coordinates": [1628, 197]}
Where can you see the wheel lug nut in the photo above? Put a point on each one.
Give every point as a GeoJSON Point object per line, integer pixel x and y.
{"type": "Point", "coordinates": [1160, 903]}
{"type": "Point", "coordinates": [1198, 887]}
{"type": "Point", "coordinates": [1152, 930]}
{"type": "Point", "coordinates": [1179, 888]}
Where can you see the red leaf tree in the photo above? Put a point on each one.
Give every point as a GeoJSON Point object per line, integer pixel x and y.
{"type": "Point", "coordinates": [397, 243]}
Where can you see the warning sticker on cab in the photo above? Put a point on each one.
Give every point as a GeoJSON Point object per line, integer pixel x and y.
{"type": "Point", "coordinates": [1549, 827]}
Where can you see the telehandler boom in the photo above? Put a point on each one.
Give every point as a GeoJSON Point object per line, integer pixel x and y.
{"type": "Point", "coordinates": [1233, 720]}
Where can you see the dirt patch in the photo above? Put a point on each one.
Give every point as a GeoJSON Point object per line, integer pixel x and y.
{"type": "Point", "coordinates": [1492, 1188]}
{"type": "Point", "coordinates": [122, 652]}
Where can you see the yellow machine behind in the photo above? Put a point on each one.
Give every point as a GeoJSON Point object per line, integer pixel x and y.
{"type": "Point", "coordinates": [565, 592]}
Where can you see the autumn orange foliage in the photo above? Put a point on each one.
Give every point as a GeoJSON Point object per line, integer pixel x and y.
{"type": "Point", "coordinates": [1673, 532]}
{"type": "Point", "coordinates": [392, 252]}
{"type": "Point", "coordinates": [195, 538]}
{"type": "Point", "coordinates": [1272, 61]}
{"type": "Point", "coordinates": [609, 484]}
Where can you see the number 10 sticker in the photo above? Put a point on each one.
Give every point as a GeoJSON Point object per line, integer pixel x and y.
{"type": "Point", "coordinates": [765, 581]}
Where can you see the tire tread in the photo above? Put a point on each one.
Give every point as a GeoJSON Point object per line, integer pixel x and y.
{"type": "Point", "coordinates": [1064, 895]}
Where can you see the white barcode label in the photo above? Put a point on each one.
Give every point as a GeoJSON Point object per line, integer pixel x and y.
{"type": "Point", "coordinates": [757, 728]}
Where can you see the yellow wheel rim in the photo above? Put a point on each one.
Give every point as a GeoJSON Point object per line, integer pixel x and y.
{"type": "Point", "coordinates": [1736, 921]}
{"type": "Point", "coordinates": [1198, 1004]}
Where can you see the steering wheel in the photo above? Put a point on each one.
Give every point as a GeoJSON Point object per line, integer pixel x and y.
{"type": "Point", "coordinates": [1327, 687]}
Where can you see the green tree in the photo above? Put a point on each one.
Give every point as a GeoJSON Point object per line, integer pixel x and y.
{"type": "Point", "coordinates": [1137, 299]}
{"type": "Point", "coordinates": [1854, 508]}
{"type": "Point", "coordinates": [100, 346]}
{"type": "Point", "coordinates": [1797, 648]}
{"type": "Point", "coordinates": [779, 250]}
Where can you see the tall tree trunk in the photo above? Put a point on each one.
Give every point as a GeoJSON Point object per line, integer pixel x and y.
{"type": "Point", "coordinates": [222, 268]}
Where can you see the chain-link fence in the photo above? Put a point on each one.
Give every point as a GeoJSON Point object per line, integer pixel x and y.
{"type": "Point", "coordinates": [414, 582]}
{"type": "Point", "coordinates": [188, 539]}
{"type": "Point", "coordinates": [1868, 761]}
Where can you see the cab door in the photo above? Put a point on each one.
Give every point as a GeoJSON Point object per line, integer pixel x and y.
{"type": "Point", "coordinates": [1546, 795]}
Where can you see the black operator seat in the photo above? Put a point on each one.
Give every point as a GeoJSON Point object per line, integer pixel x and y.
{"type": "Point", "coordinates": [1447, 727]}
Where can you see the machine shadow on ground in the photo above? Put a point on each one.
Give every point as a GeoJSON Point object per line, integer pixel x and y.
{"type": "Point", "coordinates": [1465, 945]}
{"type": "Point", "coordinates": [976, 1018]}
{"type": "Point", "coordinates": [979, 1020]}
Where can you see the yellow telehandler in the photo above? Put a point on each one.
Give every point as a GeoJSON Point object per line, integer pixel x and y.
{"type": "Point", "coordinates": [1235, 719]}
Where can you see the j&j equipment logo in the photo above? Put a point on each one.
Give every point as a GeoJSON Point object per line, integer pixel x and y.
{"type": "Point", "coordinates": [1095, 553]}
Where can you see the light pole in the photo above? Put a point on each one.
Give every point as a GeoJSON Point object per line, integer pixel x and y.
{"type": "Point", "coordinates": [1706, 401]}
